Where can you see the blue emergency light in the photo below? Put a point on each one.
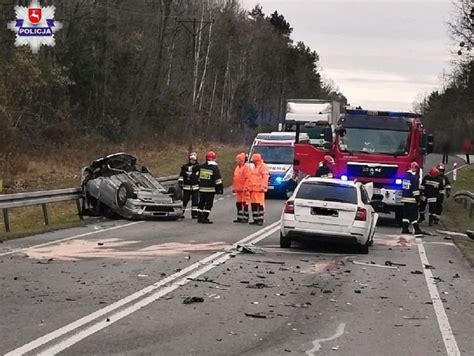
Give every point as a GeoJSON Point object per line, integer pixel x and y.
{"type": "Point", "coordinates": [344, 178]}
{"type": "Point", "coordinates": [398, 181]}
{"type": "Point", "coordinates": [359, 112]}
{"type": "Point", "coordinates": [278, 180]}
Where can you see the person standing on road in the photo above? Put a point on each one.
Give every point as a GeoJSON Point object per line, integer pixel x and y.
{"type": "Point", "coordinates": [446, 192]}
{"type": "Point", "coordinates": [431, 185]}
{"type": "Point", "coordinates": [210, 184]}
{"type": "Point", "coordinates": [410, 199]}
{"type": "Point", "coordinates": [446, 150]}
{"type": "Point", "coordinates": [258, 187]}
{"type": "Point", "coordinates": [467, 148]}
{"type": "Point", "coordinates": [189, 183]}
{"type": "Point", "coordinates": [240, 186]}
{"type": "Point", "coordinates": [324, 170]}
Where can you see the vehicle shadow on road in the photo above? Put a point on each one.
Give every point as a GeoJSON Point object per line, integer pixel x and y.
{"type": "Point", "coordinates": [323, 246]}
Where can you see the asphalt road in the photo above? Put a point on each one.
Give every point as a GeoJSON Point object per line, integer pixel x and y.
{"type": "Point", "coordinates": [117, 288]}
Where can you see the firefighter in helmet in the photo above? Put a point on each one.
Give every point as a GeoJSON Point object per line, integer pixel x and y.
{"type": "Point", "coordinates": [324, 170]}
{"type": "Point", "coordinates": [411, 199]}
{"type": "Point", "coordinates": [431, 186]}
{"type": "Point", "coordinates": [210, 184]}
{"type": "Point", "coordinates": [189, 183]}
{"type": "Point", "coordinates": [240, 186]}
{"type": "Point", "coordinates": [258, 187]}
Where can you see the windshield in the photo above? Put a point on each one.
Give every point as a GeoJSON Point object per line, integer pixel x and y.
{"type": "Point", "coordinates": [327, 192]}
{"type": "Point", "coordinates": [375, 141]}
{"type": "Point", "coordinates": [275, 154]}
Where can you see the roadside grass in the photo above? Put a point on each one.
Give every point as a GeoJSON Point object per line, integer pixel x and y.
{"type": "Point", "coordinates": [31, 172]}
{"type": "Point", "coordinates": [456, 216]}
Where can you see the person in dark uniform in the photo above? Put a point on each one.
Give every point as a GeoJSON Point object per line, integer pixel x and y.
{"type": "Point", "coordinates": [431, 185]}
{"type": "Point", "coordinates": [446, 149]}
{"type": "Point", "coordinates": [210, 184]}
{"type": "Point", "coordinates": [410, 199]}
{"type": "Point", "coordinates": [189, 183]}
{"type": "Point", "coordinates": [444, 193]}
{"type": "Point", "coordinates": [325, 170]}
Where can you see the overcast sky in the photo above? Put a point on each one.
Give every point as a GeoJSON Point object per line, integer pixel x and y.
{"type": "Point", "coordinates": [381, 54]}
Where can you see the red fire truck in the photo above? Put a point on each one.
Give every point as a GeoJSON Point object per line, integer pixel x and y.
{"type": "Point", "coordinates": [372, 146]}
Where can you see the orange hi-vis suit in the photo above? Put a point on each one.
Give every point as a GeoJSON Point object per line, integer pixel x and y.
{"type": "Point", "coordinates": [258, 187]}
{"type": "Point", "coordinates": [240, 186]}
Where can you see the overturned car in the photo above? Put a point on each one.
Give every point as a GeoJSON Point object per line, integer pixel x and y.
{"type": "Point", "coordinates": [116, 186]}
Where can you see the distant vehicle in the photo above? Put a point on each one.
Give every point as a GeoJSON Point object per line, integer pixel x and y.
{"type": "Point", "coordinates": [277, 150]}
{"type": "Point", "coordinates": [116, 185]}
{"type": "Point", "coordinates": [329, 209]}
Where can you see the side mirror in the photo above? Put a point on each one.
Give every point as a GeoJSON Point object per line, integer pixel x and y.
{"type": "Point", "coordinates": [327, 145]}
{"type": "Point", "coordinates": [341, 131]}
{"type": "Point", "coordinates": [369, 187]}
{"type": "Point", "coordinates": [296, 162]}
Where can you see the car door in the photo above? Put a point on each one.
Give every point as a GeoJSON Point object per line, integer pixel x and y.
{"type": "Point", "coordinates": [372, 216]}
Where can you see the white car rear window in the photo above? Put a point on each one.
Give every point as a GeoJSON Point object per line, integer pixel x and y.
{"type": "Point", "coordinates": [327, 192]}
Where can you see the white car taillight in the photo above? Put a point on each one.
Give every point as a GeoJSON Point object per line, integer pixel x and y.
{"type": "Point", "coordinates": [289, 207]}
{"type": "Point", "coordinates": [361, 214]}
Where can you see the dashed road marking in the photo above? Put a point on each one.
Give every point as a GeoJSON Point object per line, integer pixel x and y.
{"type": "Point", "coordinates": [449, 340]}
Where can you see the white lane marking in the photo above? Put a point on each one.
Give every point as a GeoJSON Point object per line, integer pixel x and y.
{"type": "Point", "coordinates": [70, 238]}
{"type": "Point", "coordinates": [102, 324]}
{"type": "Point", "coordinates": [317, 343]}
{"type": "Point", "coordinates": [220, 199]}
{"type": "Point", "coordinates": [449, 340]}
{"type": "Point", "coordinates": [141, 293]}
{"type": "Point", "coordinates": [440, 243]}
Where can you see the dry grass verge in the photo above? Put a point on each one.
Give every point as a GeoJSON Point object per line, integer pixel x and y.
{"type": "Point", "coordinates": [61, 169]}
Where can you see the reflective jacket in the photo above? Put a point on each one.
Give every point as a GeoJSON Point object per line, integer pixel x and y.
{"type": "Point", "coordinates": [241, 179]}
{"type": "Point", "coordinates": [324, 172]}
{"type": "Point", "coordinates": [210, 179]}
{"type": "Point", "coordinates": [188, 177]}
{"type": "Point", "coordinates": [410, 188]}
{"type": "Point", "coordinates": [259, 178]}
{"type": "Point", "coordinates": [431, 187]}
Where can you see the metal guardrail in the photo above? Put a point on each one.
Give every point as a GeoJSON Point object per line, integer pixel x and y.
{"type": "Point", "coordinates": [466, 197]}
{"type": "Point", "coordinates": [18, 200]}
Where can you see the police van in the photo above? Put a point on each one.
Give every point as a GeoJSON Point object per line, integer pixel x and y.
{"type": "Point", "coordinates": [277, 151]}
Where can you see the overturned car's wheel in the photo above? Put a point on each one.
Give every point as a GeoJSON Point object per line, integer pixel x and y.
{"type": "Point", "coordinates": [124, 192]}
{"type": "Point", "coordinates": [285, 241]}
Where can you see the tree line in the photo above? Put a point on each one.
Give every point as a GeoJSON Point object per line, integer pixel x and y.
{"type": "Point", "coordinates": [152, 70]}
{"type": "Point", "coordinates": [449, 113]}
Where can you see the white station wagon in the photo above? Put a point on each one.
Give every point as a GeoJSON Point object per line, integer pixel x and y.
{"type": "Point", "coordinates": [330, 209]}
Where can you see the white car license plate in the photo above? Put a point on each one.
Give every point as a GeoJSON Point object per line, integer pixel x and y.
{"type": "Point", "coordinates": [377, 191]}
{"type": "Point", "coordinates": [271, 187]}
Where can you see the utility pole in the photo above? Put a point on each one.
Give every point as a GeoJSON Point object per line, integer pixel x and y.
{"type": "Point", "coordinates": [191, 26]}
{"type": "Point", "coordinates": [194, 31]}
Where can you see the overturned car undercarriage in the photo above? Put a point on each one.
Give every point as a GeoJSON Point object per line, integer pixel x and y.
{"type": "Point", "coordinates": [116, 186]}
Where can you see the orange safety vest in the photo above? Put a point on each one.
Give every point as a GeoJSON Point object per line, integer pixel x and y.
{"type": "Point", "coordinates": [259, 178]}
{"type": "Point", "coordinates": [241, 178]}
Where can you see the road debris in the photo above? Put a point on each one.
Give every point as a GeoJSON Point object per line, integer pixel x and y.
{"type": "Point", "coordinates": [257, 315]}
{"type": "Point", "coordinates": [249, 249]}
{"type": "Point", "coordinates": [207, 280]}
{"type": "Point", "coordinates": [270, 262]}
{"type": "Point", "coordinates": [456, 275]}
{"type": "Point", "coordinates": [390, 263]}
{"type": "Point", "coordinates": [368, 264]}
{"type": "Point", "coordinates": [142, 275]}
{"type": "Point", "coordinates": [416, 272]}
{"type": "Point", "coordinates": [258, 286]}
{"type": "Point", "coordinates": [357, 291]}
{"type": "Point", "coordinates": [100, 243]}
{"type": "Point", "coordinates": [429, 266]}
{"type": "Point", "coordinates": [191, 300]}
